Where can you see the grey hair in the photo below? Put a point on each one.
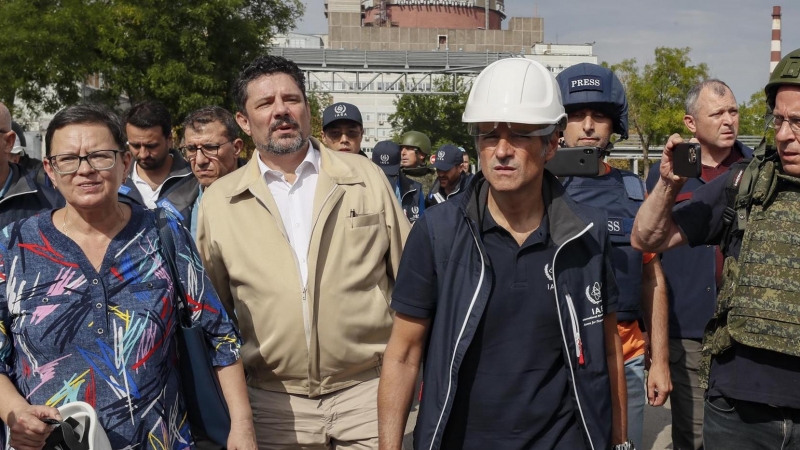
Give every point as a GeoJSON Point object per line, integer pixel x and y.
{"type": "Point", "coordinates": [717, 86]}
{"type": "Point", "coordinates": [546, 142]}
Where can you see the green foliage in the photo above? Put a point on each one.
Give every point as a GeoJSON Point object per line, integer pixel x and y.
{"type": "Point", "coordinates": [47, 47]}
{"type": "Point", "coordinates": [656, 94]}
{"type": "Point", "coordinates": [185, 54]}
{"type": "Point", "coordinates": [752, 117]}
{"type": "Point", "coordinates": [437, 116]}
{"type": "Point", "coordinates": [317, 102]}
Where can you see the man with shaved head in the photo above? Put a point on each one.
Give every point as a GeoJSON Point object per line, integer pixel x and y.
{"type": "Point", "coordinates": [20, 195]}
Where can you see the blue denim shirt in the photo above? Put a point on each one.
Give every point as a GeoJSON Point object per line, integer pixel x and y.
{"type": "Point", "coordinates": [69, 332]}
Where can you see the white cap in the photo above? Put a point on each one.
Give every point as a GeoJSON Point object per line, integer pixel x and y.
{"type": "Point", "coordinates": [17, 148]}
{"type": "Point", "coordinates": [88, 428]}
{"type": "Point", "coordinates": [516, 90]}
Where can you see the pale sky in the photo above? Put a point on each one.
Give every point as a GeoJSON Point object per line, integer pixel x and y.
{"type": "Point", "coordinates": [731, 36]}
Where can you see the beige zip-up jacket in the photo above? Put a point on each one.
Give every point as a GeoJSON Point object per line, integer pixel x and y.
{"type": "Point", "coordinates": [352, 265]}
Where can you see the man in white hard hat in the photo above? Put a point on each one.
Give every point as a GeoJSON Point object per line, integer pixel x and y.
{"type": "Point", "coordinates": [509, 294]}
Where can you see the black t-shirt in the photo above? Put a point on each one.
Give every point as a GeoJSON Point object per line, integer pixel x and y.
{"type": "Point", "coordinates": [742, 373]}
{"type": "Point", "coordinates": [512, 385]}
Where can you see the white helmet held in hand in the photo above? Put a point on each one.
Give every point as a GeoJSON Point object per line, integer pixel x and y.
{"type": "Point", "coordinates": [515, 90]}
{"type": "Point", "coordinates": [80, 419]}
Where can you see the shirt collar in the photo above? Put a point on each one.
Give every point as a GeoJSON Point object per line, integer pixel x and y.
{"type": "Point", "coordinates": [311, 160]}
{"type": "Point", "coordinates": [541, 234]}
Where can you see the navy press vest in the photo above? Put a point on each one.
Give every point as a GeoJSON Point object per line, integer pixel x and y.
{"type": "Point", "coordinates": [619, 194]}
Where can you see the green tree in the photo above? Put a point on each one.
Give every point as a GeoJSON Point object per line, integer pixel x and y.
{"type": "Point", "coordinates": [317, 102]}
{"type": "Point", "coordinates": [753, 117]}
{"type": "Point", "coordinates": [438, 116]}
{"type": "Point", "coordinates": [44, 53]}
{"type": "Point", "coordinates": [656, 94]}
{"type": "Point", "coordinates": [185, 54]}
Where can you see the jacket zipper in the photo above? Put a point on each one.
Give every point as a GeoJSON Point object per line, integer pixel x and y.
{"type": "Point", "coordinates": [575, 329]}
{"type": "Point", "coordinates": [460, 335]}
{"type": "Point", "coordinates": [17, 195]}
{"type": "Point", "coordinates": [306, 314]}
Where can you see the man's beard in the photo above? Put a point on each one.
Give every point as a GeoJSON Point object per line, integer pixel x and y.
{"type": "Point", "coordinates": [275, 146]}
{"type": "Point", "coordinates": [151, 163]}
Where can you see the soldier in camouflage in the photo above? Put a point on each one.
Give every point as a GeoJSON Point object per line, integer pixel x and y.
{"type": "Point", "coordinates": [415, 148]}
{"type": "Point", "coordinates": [753, 396]}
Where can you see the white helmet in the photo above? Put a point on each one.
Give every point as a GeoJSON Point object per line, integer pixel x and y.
{"type": "Point", "coordinates": [515, 90]}
{"type": "Point", "coordinates": [82, 418]}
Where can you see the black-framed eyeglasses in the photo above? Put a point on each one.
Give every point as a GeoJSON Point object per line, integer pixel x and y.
{"type": "Point", "coordinates": [97, 160]}
{"type": "Point", "coordinates": [777, 122]}
{"type": "Point", "coordinates": [209, 150]}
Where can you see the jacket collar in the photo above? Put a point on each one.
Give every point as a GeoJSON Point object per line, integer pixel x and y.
{"type": "Point", "coordinates": [20, 184]}
{"type": "Point", "coordinates": [560, 208]}
{"type": "Point", "coordinates": [332, 164]}
{"type": "Point", "coordinates": [746, 151]}
{"type": "Point", "coordinates": [418, 171]}
{"type": "Point", "coordinates": [406, 185]}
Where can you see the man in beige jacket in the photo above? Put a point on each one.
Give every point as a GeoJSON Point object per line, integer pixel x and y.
{"type": "Point", "coordinates": [302, 245]}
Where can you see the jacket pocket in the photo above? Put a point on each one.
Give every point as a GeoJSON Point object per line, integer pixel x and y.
{"type": "Point", "coordinates": [576, 330]}
{"type": "Point", "coordinates": [364, 220]}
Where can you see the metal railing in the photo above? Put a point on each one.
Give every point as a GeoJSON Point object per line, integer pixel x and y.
{"type": "Point", "coordinates": [387, 60]}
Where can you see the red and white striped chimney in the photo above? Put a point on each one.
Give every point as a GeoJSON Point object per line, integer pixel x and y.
{"type": "Point", "coordinates": [775, 54]}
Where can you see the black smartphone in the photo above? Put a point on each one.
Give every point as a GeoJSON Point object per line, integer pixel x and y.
{"type": "Point", "coordinates": [575, 162]}
{"type": "Point", "coordinates": [686, 161]}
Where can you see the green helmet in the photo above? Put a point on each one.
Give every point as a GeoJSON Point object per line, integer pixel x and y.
{"type": "Point", "coordinates": [416, 139]}
{"type": "Point", "coordinates": [787, 72]}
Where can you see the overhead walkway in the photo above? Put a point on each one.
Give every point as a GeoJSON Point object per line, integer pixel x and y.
{"type": "Point", "coordinates": [387, 72]}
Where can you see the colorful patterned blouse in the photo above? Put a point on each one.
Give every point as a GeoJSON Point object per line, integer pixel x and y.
{"type": "Point", "coordinates": [70, 333]}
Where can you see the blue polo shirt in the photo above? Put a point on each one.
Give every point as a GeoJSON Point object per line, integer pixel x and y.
{"type": "Point", "coordinates": [741, 372]}
{"type": "Point", "coordinates": [513, 392]}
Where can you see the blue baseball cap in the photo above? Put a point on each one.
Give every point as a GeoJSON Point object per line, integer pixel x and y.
{"type": "Point", "coordinates": [386, 154]}
{"type": "Point", "coordinates": [587, 85]}
{"type": "Point", "coordinates": [341, 111]}
{"type": "Point", "coordinates": [447, 157]}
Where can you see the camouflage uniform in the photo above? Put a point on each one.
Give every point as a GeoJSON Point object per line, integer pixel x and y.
{"type": "Point", "coordinates": [424, 175]}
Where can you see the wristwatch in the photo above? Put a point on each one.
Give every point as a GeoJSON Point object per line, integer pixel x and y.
{"type": "Point", "coordinates": [628, 445]}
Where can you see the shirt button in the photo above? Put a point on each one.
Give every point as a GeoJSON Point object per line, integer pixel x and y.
{"type": "Point", "coordinates": [45, 300]}
{"type": "Point", "coordinates": [303, 260]}
{"type": "Point", "coordinates": [99, 331]}
{"type": "Point", "coordinates": [98, 305]}
{"type": "Point", "coordinates": [297, 225]}
{"type": "Point", "coordinates": [95, 281]}
{"type": "Point", "coordinates": [708, 289]}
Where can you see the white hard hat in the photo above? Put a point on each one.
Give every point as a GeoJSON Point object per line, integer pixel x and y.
{"type": "Point", "coordinates": [85, 425]}
{"type": "Point", "coordinates": [515, 90]}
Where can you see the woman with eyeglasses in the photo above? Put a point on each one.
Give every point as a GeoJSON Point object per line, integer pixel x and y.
{"type": "Point", "coordinates": [86, 304]}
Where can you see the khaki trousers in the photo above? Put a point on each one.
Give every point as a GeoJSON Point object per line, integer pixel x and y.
{"type": "Point", "coordinates": [346, 419]}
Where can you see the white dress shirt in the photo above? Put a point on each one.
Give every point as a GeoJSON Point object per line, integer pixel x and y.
{"type": "Point", "coordinates": [296, 203]}
{"type": "Point", "coordinates": [149, 196]}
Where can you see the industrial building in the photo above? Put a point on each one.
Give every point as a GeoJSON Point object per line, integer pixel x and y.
{"type": "Point", "coordinates": [376, 50]}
